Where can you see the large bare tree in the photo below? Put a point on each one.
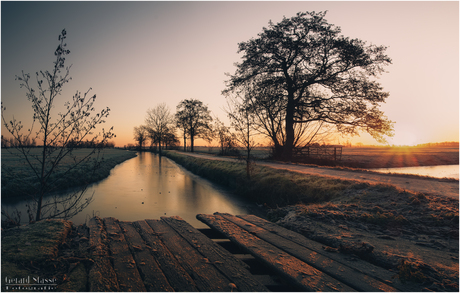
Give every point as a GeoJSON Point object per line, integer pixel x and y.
{"type": "Point", "coordinates": [315, 75]}
{"type": "Point", "coordinates": [57, 134]}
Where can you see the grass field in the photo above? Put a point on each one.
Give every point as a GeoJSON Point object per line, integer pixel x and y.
{"type": "Point", "coordinates": [18, 179]}
{"type": "Point", "coordinates": [378, 157]}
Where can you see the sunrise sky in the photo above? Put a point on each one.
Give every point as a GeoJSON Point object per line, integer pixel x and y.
{"type": "Point", "coordinates": [136, 55]}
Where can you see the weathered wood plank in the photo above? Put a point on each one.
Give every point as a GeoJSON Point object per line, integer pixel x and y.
{"type": "Point", "coordinates": [152, 275]}
{"type": "Point", "coordinates": [297, 272]}
{"type": "Point", "coordinates": [129, 279]}
{"type": "Point", "coordinates": [364, 267]}
{"type": "Point", "coordinates": [233, 268]}
{"type": "Point", "coordinates": [206, 277]}
{"type": "Point", "coordinates": [102, 276]}
{"type": "Point", "coordinates": [337, 270]}
{"type": "Point", "coordinates": [177, 277]}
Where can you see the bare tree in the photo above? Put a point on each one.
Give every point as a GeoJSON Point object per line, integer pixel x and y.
{"type": "Point", "coordinates": [267, 104]}
{"type": "Point", "coordinates": [182, 125]}
{"type": "Point", "coordinates": [57, 133]}
{"type": "Point", "coordinates": [242, 119]}
{"type": "Point", "coordinates": [140, 135]}
{"type": "Point", "coordinates": [170, 140]}
{"type": "Point", "coordinates": [161, 124]}
{"type": "Point", "coordinates": [225, 137]}
{"type": "Point", "coordinates": [196, 120]}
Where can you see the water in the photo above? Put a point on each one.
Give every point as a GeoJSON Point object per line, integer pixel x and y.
{"type": "Point", "coordinates": [444, 171]}
{"type": "Point", "coordinates": [147, 187]}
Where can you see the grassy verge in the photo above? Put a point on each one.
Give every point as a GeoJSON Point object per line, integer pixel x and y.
{"type": "Point", "coordinates": [18, 179]}
{"type": "Point", "coordinates": [274, 188]}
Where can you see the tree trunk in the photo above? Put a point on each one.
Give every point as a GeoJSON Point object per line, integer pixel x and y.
{"type": "Point", "coordinates": [159, 147]}
{"type": "Point", "coordinates": [248, 148]}
{"type": "Point", "coordinates": [185, 142]}
{"type": "Point", "coordinates": [248, 164]}
{"type": "Point", "coordinates": [191, 142]}
{"type": "Point", "coordinates": [289, 145]}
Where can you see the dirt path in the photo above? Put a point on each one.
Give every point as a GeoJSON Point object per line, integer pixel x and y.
{"type": "Point", "coordinates": [423, 185]}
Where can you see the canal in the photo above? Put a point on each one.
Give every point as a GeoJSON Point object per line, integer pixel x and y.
{"type": "Point", "coordinates": [149, 187]}
{"type": "Point", "coordinates": [443, 171]}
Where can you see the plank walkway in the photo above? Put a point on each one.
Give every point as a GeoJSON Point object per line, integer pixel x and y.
{"type": "Point", "coordinates": [162, 255]}
{"type": "Point", "coordinates": [171, 255]}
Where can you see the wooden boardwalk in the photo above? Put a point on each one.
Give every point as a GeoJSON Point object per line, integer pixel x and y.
{"type": "Point", "coordinates": [251, 255]}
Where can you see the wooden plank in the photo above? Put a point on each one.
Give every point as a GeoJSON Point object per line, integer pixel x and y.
{"type": "Point", "coordinates": [174, 272]}
{"type": "Point", "coordinates": [152, 275]}
{"type": "Point", "coordinates": [101, 276]}
{"type": "Point", "coordinates": [233, 268]}
{"type": "Point", "coordinates": [295, 271]}
{"type": "Point", "coordinates": [206, 276]}
{"type": "Point", "coordinates": [129, 279]}
{"type": "Point", "coordinates": [364, 267]}
{"type": "Point", "coordinates": [337, 270]}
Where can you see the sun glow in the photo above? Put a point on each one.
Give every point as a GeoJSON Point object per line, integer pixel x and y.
{"type": "Point", "coordinates": [403, 139]}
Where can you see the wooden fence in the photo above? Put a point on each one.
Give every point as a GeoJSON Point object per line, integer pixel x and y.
{"type": "Point", "coordinates": [324, 152]}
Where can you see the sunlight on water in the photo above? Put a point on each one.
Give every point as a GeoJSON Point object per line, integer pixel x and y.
{"type": "Point", "coordinates": [444, 171]}
{"type": "Point", "coordinates": [146, 187]}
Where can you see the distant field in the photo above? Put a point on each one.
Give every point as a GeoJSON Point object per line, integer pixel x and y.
{"type": "Point", "coordinates": [19, 180]}
{"type": "Point", "coordinates": [379, 157]}
{"type": "Point", "coordinates": [393, 157]}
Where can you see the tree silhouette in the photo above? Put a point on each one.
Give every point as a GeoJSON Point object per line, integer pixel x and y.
{"type": "Point", "coordinates": [160, 123]}
{"type": "Point", "coordinates": [59, 134]}
{"type": "Point", "coordinates": [268, 109]}
{"type": "Point", "coordinates": [195, 119]}
{"type": "Point", "coordinates": [315, 75]}
{"type": "Point", "coordinates": [140, 135]}
{"type": "Point", "coordinates": [242, 120]}
{"type": "Point", "coordinates": [225, 138]}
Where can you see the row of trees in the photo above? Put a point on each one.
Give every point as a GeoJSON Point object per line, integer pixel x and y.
{"type": "Point", "coordinates": [194, 120]}
{"type": "Point", "coordinates": [30, 143]}
{"type": "Point", "coordinates": [192, 117]}
{"type": "Point", "coordinates": [12, 142]}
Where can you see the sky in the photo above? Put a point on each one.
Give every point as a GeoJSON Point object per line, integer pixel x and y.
{"type": "Point", "coordinates": [136, 55]}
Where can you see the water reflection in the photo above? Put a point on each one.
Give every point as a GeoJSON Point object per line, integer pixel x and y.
{"type": "Point", "coordinates": [148, 187]}
{"type": "Point", "coordinates": [444, 171]}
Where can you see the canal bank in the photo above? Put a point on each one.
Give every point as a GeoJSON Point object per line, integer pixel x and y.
{"type": "Point", "coordinates": [411, 183]}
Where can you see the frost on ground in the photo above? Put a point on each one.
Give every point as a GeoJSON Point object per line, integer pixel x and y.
{"type": "Point", "coordinates": [413, 235]}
